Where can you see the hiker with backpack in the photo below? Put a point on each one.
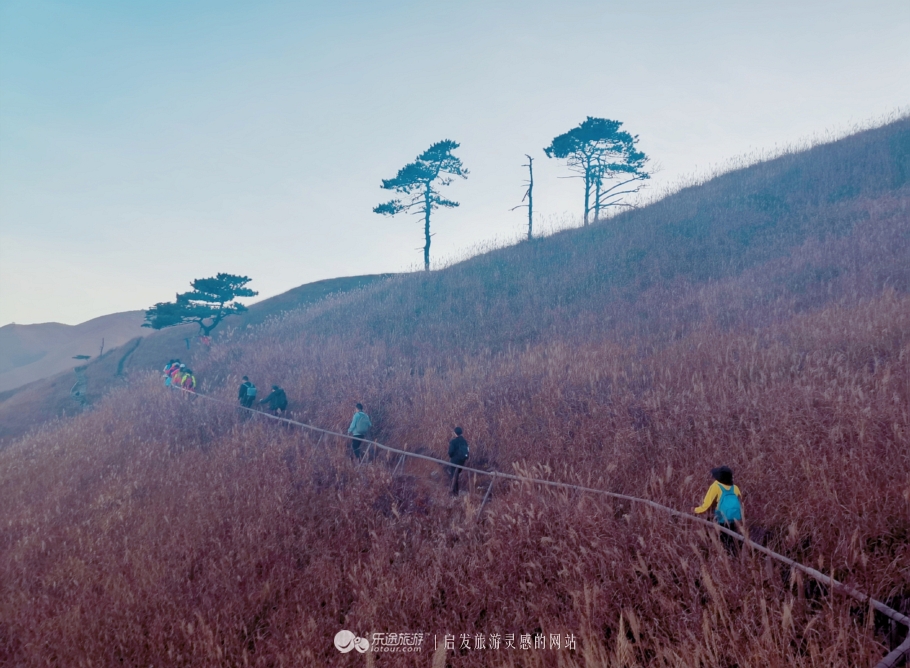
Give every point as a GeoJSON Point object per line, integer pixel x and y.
{"type": "Point", "coordinates": [188, 380]}
{"type": "Point", "coordinates": [277, 400]}
{"type": "Point", "coordinates": [247, 393]}
{"type": "Point", "coordinates": [458, 454]}
{"type": "Point", "coordinates": [728, 511]}
{"type": "Point", "coordinates": [360, 426]}
{"type": "Point", "coordinates": [176, 374]}
{"type": "Point", "coordinates": [169, 370]}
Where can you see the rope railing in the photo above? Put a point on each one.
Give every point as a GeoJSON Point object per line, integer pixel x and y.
{"type": "Point", "coordinates": [892, 660]}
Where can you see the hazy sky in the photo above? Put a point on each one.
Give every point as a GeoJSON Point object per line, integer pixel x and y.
{"type": "Point", "coordinates": [143, 144]}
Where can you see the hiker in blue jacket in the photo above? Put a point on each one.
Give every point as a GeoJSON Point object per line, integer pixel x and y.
{"type": "Point", "coordinates": [728, 512]}
{"type": "Point", "coordinates": [360, 426]}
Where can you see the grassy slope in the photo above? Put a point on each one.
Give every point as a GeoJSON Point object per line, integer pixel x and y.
{"type": "Point", "coordinates": [761, 320]}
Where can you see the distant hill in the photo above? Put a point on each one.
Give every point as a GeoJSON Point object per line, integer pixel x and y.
{"type": "Point", "coordinates": [38, 376]}
{"type": "Point", "coordinates": [31, 352]}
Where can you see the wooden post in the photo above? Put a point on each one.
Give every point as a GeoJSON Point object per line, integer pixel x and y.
{"type": "Point", "coordinates": [365, 455]}
{"type": "Point", "coordinates": [485, 497]}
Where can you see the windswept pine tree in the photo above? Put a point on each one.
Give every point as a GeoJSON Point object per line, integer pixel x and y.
{"type": "Point", "coordinates": [211, 300]}
{"type": "Point", "coordinates": [418, 181]}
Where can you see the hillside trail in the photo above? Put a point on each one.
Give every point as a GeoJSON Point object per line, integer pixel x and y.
{"type": "Point", "coordinates": [896, 656]}
{"type": "Point", "coordinates": [123, 359]}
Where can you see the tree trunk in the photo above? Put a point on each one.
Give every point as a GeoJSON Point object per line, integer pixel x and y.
{"type": "Point", "coordinates": [217, 318]}
{"type": "Point", "coordinates": [588, 173]}
{"type": "Point", "coordinates": [597, 202]}
{"type": "Point", "coordinates": [426, 228]}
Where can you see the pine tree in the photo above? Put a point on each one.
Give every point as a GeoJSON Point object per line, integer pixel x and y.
{"type": "Point", "coordinates": [419, 181]}
{"type": "Point", "coordinates": [211, 299]}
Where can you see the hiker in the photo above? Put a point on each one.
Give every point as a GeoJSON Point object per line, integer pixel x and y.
{"type": "Point", "coordinates": [729, 510]}
{"type": "Point", "coordinates": [360, 425]}
{"type": "Point", "coordinates": [188, 380]}
{"type": "Point", "coordinates": [277, 400]}
{"type": "Point", "coordinates": [458, 454]}
{"type": "Point", "coordinates": [247, 393]}
{"type": "Point", "coordinates": [168, 370]}
{"type": "Point", "coordinates": [176, 373]}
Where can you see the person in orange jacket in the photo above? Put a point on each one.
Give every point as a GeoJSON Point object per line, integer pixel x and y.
{"type": "Point", "coordinates": [176, 374]}
{"type": "Point", "coordinates": [169, 370]}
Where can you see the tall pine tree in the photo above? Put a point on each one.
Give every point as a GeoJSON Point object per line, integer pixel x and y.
{"type": "Point", "coordinates": [418, 181]}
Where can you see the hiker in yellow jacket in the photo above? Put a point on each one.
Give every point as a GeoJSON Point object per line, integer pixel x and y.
{"type": "Point", "coordinates": [726, 498]}
{"type": "Point", "coordinates": [188, 381]}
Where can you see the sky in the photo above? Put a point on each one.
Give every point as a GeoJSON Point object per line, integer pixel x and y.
{"type": "Point", "coordinates": [145, 144]}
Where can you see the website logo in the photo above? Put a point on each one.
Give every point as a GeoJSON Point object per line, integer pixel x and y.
{"type": "Point", "coordinates": [345, 641]}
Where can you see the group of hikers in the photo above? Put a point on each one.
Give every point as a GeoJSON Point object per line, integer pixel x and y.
{"type": "Point", "coordinates": [178, 375]}
{"type": "Point", "coordinates": [277, 400]}
{"type": "Point", "coordinates": [722, 495]}
{"type": "Point", "coordinates": [458, 446]}
{"type": "Point", "coordinates": [358, 429]}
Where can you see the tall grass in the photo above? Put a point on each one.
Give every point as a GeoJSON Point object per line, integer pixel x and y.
{"type": "Point", "coordinates": [159, 530]}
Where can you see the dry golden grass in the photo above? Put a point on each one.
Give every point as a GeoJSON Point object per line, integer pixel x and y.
{"type": "Point", "coordinates": [186, 536]}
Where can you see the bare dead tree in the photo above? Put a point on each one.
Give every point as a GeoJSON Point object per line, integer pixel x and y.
{"type": "Point", "coordinates": [529, 195]}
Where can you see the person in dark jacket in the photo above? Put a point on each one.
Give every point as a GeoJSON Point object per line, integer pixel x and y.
{"type": "Point", "coordinates": [246, 395]}
{"type": "Point", "coordinates": [458, 454]}
{"type": "Point", "coordinates": [277, 400]}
